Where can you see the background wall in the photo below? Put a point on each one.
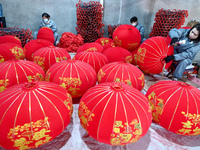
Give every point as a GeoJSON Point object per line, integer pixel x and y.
{"type": "Point", "coordinates": [27, 13]}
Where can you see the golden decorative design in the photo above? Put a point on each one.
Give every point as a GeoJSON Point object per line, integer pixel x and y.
{"type": "Point", "coordinates": [37, 77]}
{"type": "Point", "coordinates": [30, 135]}
{"type": "Point", "coordinates": [127, 81]}
{"type": "Point", "coordinates": [101, 74]}
{"type": "Point", "coordinates": [3, 84]}
{"type": "Point", "coordinates": [40, 61]}
{"type": "Point", "coordinates": [92, 49]}
{"type": "Point", "coordinates": [132, 46]}
{"type": "Point", "coordinates": [104, 41]}
{"type": "Point", "coordinates": [142, 78]}
{"type": "Point", "coordinates": [191, 126]}
{"type": "Point", "coordinates": [129, 59]}
{"type": "Point", "coordinates": [68, 104]}
{"type": "Point", "coordinates": [18, 52]}
{"type": "Point", "coordinates": [124, 133]}
{"type": "Point", "coordinates": [47, 76]}
{"type": "Point", "coordinates": [156, 106]}
{"type": "Point", "coordinates": [117, 41]}
{"type": "Point", "coordinates": [60, 59]}
{"type": "Point", "coordinates": [139, 57]}
{"type": "Point", "coordinates": [85, 115]}
{"type": "Point", "coordinates": [1, 59]}
{"type": "Point", "coordinates": [71, 84]}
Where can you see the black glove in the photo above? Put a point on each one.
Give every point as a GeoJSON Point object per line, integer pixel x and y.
{"type": "Point", "coordinates": [174, 40]}
{"type": "Point", "coordinates": [169, 58]}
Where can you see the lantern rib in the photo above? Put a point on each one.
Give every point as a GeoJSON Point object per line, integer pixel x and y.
{"type": "Point", "coordinates": [115, 66]}
{"type": "Point", "coordinates": [60, 67]}
{"type": "Point", "coordinates": [133, 75]}
{"type": "Point", "coordinates": [24, 71]}
{"type": "Point", "coordinates": [6, 75]}
{"type": "Point", "coordinates": [25, 65]}
{"type": "Point", "coordinates": [116, 72]}
{"type": "Point", "coordinates": [49, 55]}
{"type": "Point", "coordinates": [16, 115]}
{"type": "Point", "coordinates": [17, 77]}
{"type": "Point", "coordinates": [93, 60]}
{"type": "Point", "coordinates": [162, 49]}
{"type": "Point", "coordinates": [5, 66]}
{"type": "Point", "coordinates": [81, 66]}
{"type": "Point", "coordinates": [98, 128]}
{"type": "Point", "coordinates": [115, 114]}
{"type": "Point", "coordinates": [188, 103]}
{"type": "Point", "coordinates": [12, 95]}
{"type": "Point", "coordinates": [154, 50]}
{"type": "Point", "coordinates": [175, 109]}
{"type": "Point", "coordinates": [192, 92]}
{"type": "Point", "coordinates": [30, 115]}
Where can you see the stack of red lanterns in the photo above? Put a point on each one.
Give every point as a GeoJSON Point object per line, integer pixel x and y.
{"type": "Point", "coordinates": [89, 20]}
{"type": "Point", "coordinates": [166, 20]}
{"type": "Point", "coordinates": [111, 29]}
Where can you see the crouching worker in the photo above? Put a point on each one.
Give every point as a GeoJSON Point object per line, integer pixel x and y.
{"type": "Point", "coordinates": [186, 43]}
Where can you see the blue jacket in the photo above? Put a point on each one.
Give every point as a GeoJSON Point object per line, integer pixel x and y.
{"type": "Point", "coordinates": [141, 29]}
{"type": "Point", "coordinates": [51, 24]}
{"type": "Point", "coordinates": [187, 50]}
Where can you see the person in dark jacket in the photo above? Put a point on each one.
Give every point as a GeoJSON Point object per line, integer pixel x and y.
{"type": "Point", "coordinates": [186, 44]}
{"type": "Point", "coordinates": [47, 22]}
{"type": "Point", "coordinates": [140, 27]}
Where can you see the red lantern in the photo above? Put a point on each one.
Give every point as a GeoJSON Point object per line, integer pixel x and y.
{"type": "Point", "coordinates": [111, 44]}
{"type": "Point", "coordinates": [122, 72]}
{"type": "Point", "coordinates": [10, 39]}
{"type": "Point", "coordinates": [95, 59]}
{"type": "Point", "coordinates": [104, 40]}
{"type": "Point", "coordinates": [34, 45]}
{"type": "Point", "coordinates": [175, 106]}
{"type": "Point", "coordinates": [11, 50]}
{"type": "Point", "coordinates": [134, 54]}
{"type": "Point", "coordinates": [90, 47]}
{"type": "Point", "coordinates": [18, 71]}
{"type": "Point", "coordinates": [46, 33]}
{"type": "Point", "coordinates": [118, 54]}
{"type": "Point", "coordinates": [32, 114]}
{"type": "Point", "coordinates": [47, 56]}
{"type": "Point", "coordinates": [114, 113]}
{"type": "Point", "coordinates": [127, 36]}
{"type": "Point", "coordinates": [151, 53]}
{"type": "Point", "coordinates": [74, 75]}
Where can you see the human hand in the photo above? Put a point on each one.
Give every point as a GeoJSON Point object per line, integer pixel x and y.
{"type": "Point", "coordinates": [174, 40]}
{"type": "Point", "coordinates": [169, 58]}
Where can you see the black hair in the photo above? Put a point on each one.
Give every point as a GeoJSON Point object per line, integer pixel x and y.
{"type": "Point", "coordinates": [197, 26]}
{"type": "Point", "coordinates": [46, 15]}
{"type": "Point", "coordinates": [133, 19]}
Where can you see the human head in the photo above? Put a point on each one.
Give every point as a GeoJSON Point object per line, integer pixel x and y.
{"type": "Point", "coordinates": [45, 16]}
{"type": "Point", "coordinates": [134, 20]}
{"type": "Point", "coordinates": [194, 33]}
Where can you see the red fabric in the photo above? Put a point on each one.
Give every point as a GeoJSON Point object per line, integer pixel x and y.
{"type": "Point", "coordinates": [46, 33]}
{"type": "Point", "coordinates": [47, 56]}
{"type": "Point", "coordinates": [18, 71]}
{"type": "Point", "coordinates": [95, 59]}
{"type": "Point", "coordinates": [91, 47]}
{"type": "Point", "coordinates": [34, 45]}
{"type": "Point", "coordinates": [127, 36]}
{"type": "Point", "coordinates": [118, 54]}
{"type": "Point", "coordinates": [11, 50]}
{"type": "Point", "coordinates": [134, 54]}
{"type": "Point", "coordinates": [70, 42]}
{"type": "Point", "coordinates": [10, 39]}
{"type": "Point", "coordinates": [115, 113]}
{"type": "Point", "coordinates": [175, 106]}
{"type": "Point", "coordinates": [111, 44]}
{"type": "Point", "coordinates": [104, 40]}
{"type": "Point", "coordinates": [33, 114]}
{"type": "Point", "coordinates": [151, 53]}
{"type": "Point", "coordinates": [74, 75]}
{"type": "Point", "coordinates": [122, 72]}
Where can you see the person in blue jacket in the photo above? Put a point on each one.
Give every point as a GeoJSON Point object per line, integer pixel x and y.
{"type": "Point", "coordinates": [47, 22]}
{"type": "Point", "coordinates": [186, 44]}
{"type": "Point", "coordinates": [140, 27]}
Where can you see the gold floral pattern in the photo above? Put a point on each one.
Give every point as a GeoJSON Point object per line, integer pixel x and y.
{"type": "Point", "coordinates": [117, 41]}
{"type": "Point", "coordinates": [104, 41]}
{"type": "Point", "coordinates": [40, 61]}
{"type": "Point", "coordinates": [60, 59]}
{"type": "Point", "coordinates": [37, 77]}
{"type": "Point", "coordinates": [142, 78]}
{"type": "Point", "coordinates": [124, 133]}
{"type": "Point", "coordinates": [68, 103]}
{"type": "Point", "coordinates": [92, 49]}
{"type": "Point", "coordinates": [30, 135]}
{"type": "Point", "coordinates": [1, 59]}
{"type": "Point", "coordinates": [127, 81]}
{"type": "Point", "coordinates": [3, 84]}
{"type": "Point", "coordinates": [18, 52]}
{"type": "Point", "coordinates": [132, 46]}
{"type": "Point", "coordinates": [129, 59]}
{"type": "Point", "coordinates": [101, 74]}
{"type": "Point", "coordinates": [139, 57]}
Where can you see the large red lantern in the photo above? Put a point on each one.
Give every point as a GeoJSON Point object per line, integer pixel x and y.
{"type": "Point", "coordinates": [46, 33]}
{"type": "Point", "coordinates": [47, 56]}
{"type": "Point", "coordinates": [11, 50]}
{"type": "Point", "coordinates": [175, 106]}
{"type": "Point", "coordinates": [32, 114]}
{"type": "Point", "coordinates": [95, 59]}
{"type": "Point", "coordinates": [115, 113]}
{"type": "Point", "coordinates": [18, 71]}
{"type": "Point", "coordinates": [151, 53]}
{"type": "Point", "coordinates": [104, 40]}
{"type": "Point", "coordinates": [122, 72]}
{"type": "Point", "coordinates": [91, 47]}
{"type": "Point", "coordinates": [111, 44]}
{"type": "Point", "coordinates": [10, 39]}
{"type": "Point", "coordinates": [127, 36]}
{"type": "Point", "coordinates": [74, 75]}
{"type": "Point", "coordinates": [34, 45]}
{"type": "Point", "coordinates": [118, 54]}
